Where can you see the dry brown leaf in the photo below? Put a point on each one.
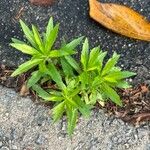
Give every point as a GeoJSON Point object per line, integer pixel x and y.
{"type": "Point", "coordinates": [24, 90]}
{"type": "Point", "coordinates": [120, 19]}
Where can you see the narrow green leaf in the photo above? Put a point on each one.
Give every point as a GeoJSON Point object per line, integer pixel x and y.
{"type": "Point", "coordinates": [119, 75]}
{"type": "Point", "coordinates": [53, 98]}
{"type": "Point", "coordinates": [83, 108]}
{"type": "Point", "coordinates": [26, 66]}
{"type": "Point", "coordinates": [35, 77]}
{"type": "Point", "coordinates": [72, 115]}
{"type": "Point", "coordinates": [101, 59]}
{"type": "Point", "coordinates": [37, 38]}
{"type": "Point", "coordinates": [85, 54]}
{"type": "Point", "coordinates": [73, 63]}
{"type": "Point", "coordinates": [110, 64]}
{"type": "Point", "coordinates": [51, 38]}
{"type": "Point", "coordinates": [49, 28]}
{"type": "Point", "coordinates": [17, 41]}
{"type": "Point", "coordinates": [60, 53]}
{"type": "Point", "coordinates": [58, 111]}
{"type": "Point", "coordinates": [41, 93]}
{"type": "Point", "coordinates": [123, 84]}
{"type": "Point", "coordinates": [93, 61]}
{"type": "Point", "coordinates": [28, 33]}
{"type": "Point", "coordinates": [112, 94]}
{"type": "Point", "coordinates": [67, 69]}
{"type": "Point", "coordinates": [25, 48]}
{"type": "Point", "coordinates": [55, 75]}
{"type": "Point", "coordinates": [73, 44]}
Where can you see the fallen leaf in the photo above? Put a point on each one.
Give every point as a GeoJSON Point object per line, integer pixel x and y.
{"type": "Point", "coordinates": [120, 19]}
{"type": "Point", "coordinates": [24, 90]}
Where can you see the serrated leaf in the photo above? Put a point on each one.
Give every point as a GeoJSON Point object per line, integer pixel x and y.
{"type": "Point", "coordinates": [58, 111]}
{"type": "Point", "coordinates": [51, 38]}
{"type": "Point", "coordinates": [35, 77]}
{"type": "Point", "coordinates": [28, 33]}
{"type": "Point", "coordinates": [111, 93]}
{"type": "Point", "coordinates": [110, 64]}
{"type": "Point", "coordinates": [55, 75]}
{"type": "Point", "coordinates": [85, 54]}
{"type": "Point", "coordinates": [25, 48]}
{"type": "Point", "coordinates": [37, 38]}
{"type": "Point", "coordinates": [26, 66]}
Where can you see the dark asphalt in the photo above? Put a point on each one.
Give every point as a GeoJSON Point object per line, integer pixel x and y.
{"type": "Point", "coordinates": [74, 21]}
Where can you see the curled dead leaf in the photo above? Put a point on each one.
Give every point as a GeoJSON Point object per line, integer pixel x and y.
{"type": "Point", "coordinates": [24, 91]}
{"type": "Point", "coordinates": [120, 19]}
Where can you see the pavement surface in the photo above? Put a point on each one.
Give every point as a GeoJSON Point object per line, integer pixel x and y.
{"type": "Point", "coordinates": [74, 21]}
{"type": "Point", "coordinates": [26, 125]}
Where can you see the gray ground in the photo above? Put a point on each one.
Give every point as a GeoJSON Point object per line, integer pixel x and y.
{"type": "Point", "coordinates": [75, 21]}
{"type": "Point", "coordinates": [25, 125]}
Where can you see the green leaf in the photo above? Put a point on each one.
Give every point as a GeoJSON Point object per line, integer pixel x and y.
{"type": "Point", "coordinates": [37, 38]}
{"type": "Point", "coordinates": [111, 93]}
{"type": "Point", "coordinates": [49, 28]}
{"type": "Point", "coordinates": [41, 93]}
{"type": "Point", "coordinates": [17, 41]}
{"type": "Point", "coordinates": [42, 67]}
{"type": "Point", "coordinates": [85, 54]}
{"type": "Point", "coordinates": [75, 92]}
{"type": "Point", "coordinates": [110, 64]}
{"type": "Point", "coordinates": [123, 84]}
{"type": "Point", "coordinates": [72, 115]}
{"type": "Point", "coordinates": [119, 75]}
{"type": "Point", "coordinates": [58, 111]}
{"type": "Point", "coordinates": [60, 53]}
{"type": "Point", "coordinates": [55, 75]}
{"type": "Point", "coordinates": [83, 108]}
{"type": "Point", "coordinates": [73, 44]}
{"type": "Point", "coordinates": [25, 48]}
{"type": "Point", "coordinates": [26, 66]}
{"type": "Point", "coordinates": [93, 62]}
{"type": "Point", "coordinates": [73, 63]}
{"type": "Point", "coordinates": [53, 98]}
{"type": "Point", "coordinates": [51, 38]}
{"type": "Point", "coordinates": [35, 77]}
{"type": "Point", "coordinates": [28, 33]}
{"type": "Point", "coordinates": [67, 69]}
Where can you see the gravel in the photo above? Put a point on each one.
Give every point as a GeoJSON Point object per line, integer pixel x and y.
{"type": "Point", "coordinates": [75, 21]}
{"type": "Point", "coordinates": [26, 125]}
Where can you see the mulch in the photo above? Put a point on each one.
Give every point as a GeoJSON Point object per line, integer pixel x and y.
{"type": "Point", "coordinates": [136, 100]}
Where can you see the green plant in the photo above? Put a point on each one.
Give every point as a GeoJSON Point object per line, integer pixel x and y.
{"type": "Point", "coordinates": [77, 85]}
{"type": "Point", "coordinates": [41, 48]}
